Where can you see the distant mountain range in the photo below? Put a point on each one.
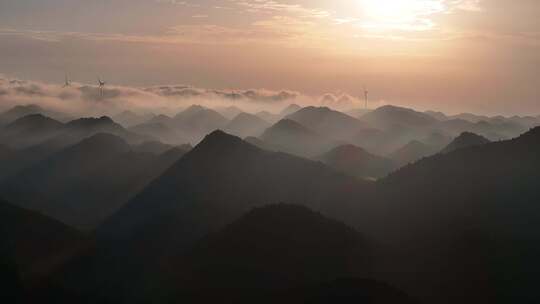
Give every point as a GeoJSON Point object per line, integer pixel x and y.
{"type": "Point", "coordinates": [291, 137]}
{"type": "Point", "coordinates": [355, 161]}
{"type": "Point", "coordinates": [321, 207]}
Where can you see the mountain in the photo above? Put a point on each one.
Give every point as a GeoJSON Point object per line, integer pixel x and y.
{"type": "Point", "coordinates": [387, 116]}
{"type": "Point", "coordinates": [24, 110]}
{"type": "Point", "coordinates": [6, 152]}
{"type": "Point", "coordinates": [357, 113]}
{"type": "Point", "coordinates": [355, 161]}
{"type": "Point", "coordinates": [412, 152]}
{"type": "Point", "coordinates": [327, 122]}
{"type": "Point", "coordinates": [291, 137]}
{"type": "Point", "coordinates": [494, 129]}
{"type": "Point", "coordinates": [290, 109]}
{"type": "Point", "coordinates": [267, 250]}
{"type": "Point", "coordinates": [470, 117]}
{"type": "Point", "coordinates": [153, 147]}
{"type": "Point", "coordinates": [128, 118]}
{"type": "Point", "coordinates": [36, 244]}
{"type": "Point", "coordinates": [244, 125]}
{"type": "Point", "coordinates": [269, 117]}
{"type": "Point", "coordinates": [161, 119]}
{"type": "Point", "coordinates": [85, 183]}
{"type": "Point", "coordinates": [229, 112]}
{"type": "Point", "coordinates": [475, 209]}
{"type": "Point", "coordinates": [465, 140]}
{"type": "Point", "coordinates": [30, 130]}
{"type": "Point", "coordinates": [212, 185]}
{"type": "Point", "coordinates": [437, 115]}
{"type": "Point", "coordinates": [84, 127]}
{"type": "Point", "coordinates": [160, 131]}
{"type": "Point", "coordinates": [197, 121]}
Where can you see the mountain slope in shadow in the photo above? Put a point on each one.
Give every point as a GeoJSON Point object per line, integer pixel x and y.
{"type": "Point", "coordinates": [327, 122]}
{"type": "Point", "coordinates": [244, 125]}
{"type": "Point", "coordinates": [83, 184]}
{"type": "Point", "coordinates": [465, 140]}
{"type": "Point", "coordinates": [291, 137]}
{"type": "Point", "coordinates": [275, 254]}
{"type": "Point", "coordinates": [220, 179]}
{"type": "Point", "coordinates": [357, 162]}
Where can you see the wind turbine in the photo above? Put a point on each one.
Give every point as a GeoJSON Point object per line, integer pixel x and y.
{"type": "Point", "coordinates": [101, 85]}
{"type": "Point", "coordinates": [366, 95]}
{"type": "Point", "coordinates": [67, 82]}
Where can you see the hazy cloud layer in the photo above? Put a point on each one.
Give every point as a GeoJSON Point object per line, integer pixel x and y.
{"type": "Point", "coordinates": [83, 99]}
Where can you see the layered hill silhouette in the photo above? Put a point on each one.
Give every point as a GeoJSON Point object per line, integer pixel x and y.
{"type": "Point", "coordinates": [129, 119]}
{"type": "Point", "coordinates": [327, 122]}
{"type": "Point", "coordinates": [36, 245]}
{"type": "Point", "coordinates": [269, 117]}
{"type": "Point", "coordinates": [20, 111]}
{"type": "Point", "coordinates": [465, 140]}
{"type": "Point", "coordinates": [244, 125]}
{"type": "Point", "coordinates": [197, 121]}
{"type": "Point", "coordinates": [292, 137]}
{"type": "Point", "coordinates": [160, 131]}
{"type": "Point", "coordinates": [85, 183]}
{"type": "Point", "coordinates": [412, 152]}
{"type": "Point", "coordinates": [290, 109]}
{"type": "Point", "coordinates": [36, 129]}
{"type": "Point", "coordinates": [220, 179]}
{"type": "Point", "coordinates": [30, 130]}
{"type": "Point", "coordinates": [269, 250]}
{"type": "Point", "coordinates": [388, 116]}
{"type": "Point", "coordinates": [229, 112]}
{"type": "Point", "coordinates": [357, 162]}
{"type": "Point", "coordinates": [474, 209]}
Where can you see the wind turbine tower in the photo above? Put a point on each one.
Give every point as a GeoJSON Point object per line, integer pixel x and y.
{"type": "Point", "coordinates": [101, 85]}
{"type": "Point", "coordinates": [366, 96]}
{"type": "Point", "coordinates": [67, 82]}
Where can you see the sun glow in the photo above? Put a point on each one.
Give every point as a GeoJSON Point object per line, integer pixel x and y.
{"type": "Point", "coordinates": [408, 15]}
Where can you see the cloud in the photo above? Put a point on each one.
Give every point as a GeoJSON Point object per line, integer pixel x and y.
{"type": "Point", "coordinates": [87, 100]}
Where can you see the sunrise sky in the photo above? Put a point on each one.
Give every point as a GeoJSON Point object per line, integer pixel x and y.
{"type": "Point", "coordinates": [451, 55]}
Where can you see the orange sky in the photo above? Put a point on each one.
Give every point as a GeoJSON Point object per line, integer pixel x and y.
{"type": "Point", "coordinates": [451, 55]}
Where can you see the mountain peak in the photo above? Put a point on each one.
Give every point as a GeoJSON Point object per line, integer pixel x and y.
{"type": "Point", "coordinates": [34, 118]}
{"type": "Point", "coordinates": [465, 140]}
{"type": "Point", "coordinates": [105, 140]}
{"type": "Point", "coordinates": [288, 125]}
{"type": "Point", "coordinates": [219, 142]}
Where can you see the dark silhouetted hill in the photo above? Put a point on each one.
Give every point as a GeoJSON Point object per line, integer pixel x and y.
{"type": "Point", "coordinates": [412, 152]}
{"type": "Point", "coordinates": [465, 140]}
{"type": "Point", "coordinates": [470, 213]}
{"type": "Point", "coordinates": [37, 245]}
{"type": "Point", "coordinates": [30, 130]}
{"type": "Point", "coordinates": [154, 147]}
{"type": "Point", "coordinates": [220, 179]}
{"type": "Point", "coordinates": [271, 249]}
{"type": "Point", "coordinates": [24, 110]}
{"type": "Point", "coordinates": [85, 183]}
{"type": "Point", "coordinates": [355, 161]}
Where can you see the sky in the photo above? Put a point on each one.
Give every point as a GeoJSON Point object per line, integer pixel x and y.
{"type": "Point", "coordinates": [477, 56]}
